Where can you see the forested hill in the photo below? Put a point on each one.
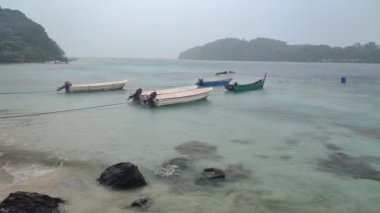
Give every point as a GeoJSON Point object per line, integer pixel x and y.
{"type": "Point", "coordinates": [23, 40]}
{"type": "Point", "coordinates": [264, 49]}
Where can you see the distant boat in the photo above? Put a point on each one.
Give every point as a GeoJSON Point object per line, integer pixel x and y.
{"type": "Point", "coordinates": [178, 97]}
{"type": "Point", "coordinates": [140, 95]}
{"type": "Point", "coordinates": [224, 73]}
{"type": "Point", "coordinates": [245, 87]}
{"type": "Point", "coordinates": [203, 83]}
{"type": "Point", "coordinates": [112, 85]}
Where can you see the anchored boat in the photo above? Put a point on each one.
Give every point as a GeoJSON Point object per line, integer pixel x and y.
{"type": "Point", "coordinates": [140, 95]}
{"type": "Point", "coordinates": [113, 85]}
{"type": "Point", "coordinates": [178, 97]}
{"type": "Point", "coordinates": [203, 83]}
{"type": "Point", "coordinates": [245, 87]}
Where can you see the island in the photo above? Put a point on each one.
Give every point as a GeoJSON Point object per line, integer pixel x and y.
{"type": "Point", "coordinates": [23, 40]}
{"type": "Point", "coordinates": [266, 49]}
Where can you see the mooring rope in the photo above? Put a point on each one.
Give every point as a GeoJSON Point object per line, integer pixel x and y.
{"type": "Point", "coordinates": [36, 92]}
{"type": "Point", "coordinates": [60, 111]}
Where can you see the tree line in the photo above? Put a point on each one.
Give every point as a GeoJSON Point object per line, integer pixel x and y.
{"type": "Point", "coordinates": [23, 40]}
{"type": "Point", "coordinates": [265, 49]}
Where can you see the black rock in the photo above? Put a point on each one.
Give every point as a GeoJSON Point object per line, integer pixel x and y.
{"type": "Point", "coordinates": [213, 173]}
{"type": "Point", "coordinates": [122, 176]}
{"type": "Point", "coordinates": [211, 176]}
{"type": "Point", "coordinates": [142, 202]}
{"type": "Point", "coordinates": [30, 202]}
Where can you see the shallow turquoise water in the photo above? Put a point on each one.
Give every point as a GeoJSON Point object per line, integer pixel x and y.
{"type": "Point", "coordinates": [280, 134]}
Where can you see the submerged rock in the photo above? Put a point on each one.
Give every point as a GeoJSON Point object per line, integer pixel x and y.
{"type": "Point", "coordinates": [173, 167]}
{"type": "Point", "coordinates": [343, 164]}
{"type": "Point", "coordinates": [145, 202]}
{"type": "Point", "coordinates": [332, 147]}
{"type": "Point", "coordinates": [197, 149]}
{"type": "Point", "coordinates": [181, 163]}
{"type": "Point", "coordinates": [122, 176]}
{"type": "Point", "coordinates": [236, 172]}
{"type": "Point", "coordinates": [211, 176]}
{"type": "Point", "coordinates": [30, 202]}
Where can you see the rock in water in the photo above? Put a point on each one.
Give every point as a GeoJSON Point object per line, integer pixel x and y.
{"type": "Point", "coordinates": [211, 176]}
{"type": "Point", "coordinates": [122, 176]}
{"type": "Point", "coordinates": [30, 202]}
{"type": "Point", "coordinates": [145, 202]}
{"type": "Point", "coordinates": [197, 149]}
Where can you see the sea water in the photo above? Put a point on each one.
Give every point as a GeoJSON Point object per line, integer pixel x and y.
{"type": "Point", "coordinates": [282, 135]}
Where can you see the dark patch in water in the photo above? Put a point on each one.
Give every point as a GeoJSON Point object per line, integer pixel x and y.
{"type": "Point", "coordinates": [343, 164]}
{"type": "Point", "coordinates": [235, 172]}
{"type": "Point", "coordinates": [292, 141]}
{"type": "Point", "coordinates": [197, 149]}
{"type": "Point", "coordinates": [364, 131]}
{"type": "Point", "coordinates": [285, 157]}
{"type": "Point", "coordinates": [371, 159]}
{"type": "Point", "coordinates": [332, 147]}
{"type": "Point", "coordinates": [239, 141]}
{"type": "Point", "coordinates": [262, 156]}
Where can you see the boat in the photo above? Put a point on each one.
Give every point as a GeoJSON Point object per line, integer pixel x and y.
{"type": "Point", "coordinates": [140, 95]}
{"type": "Point", "coordinates": [112, 85]}
{"type": "Point", "coordinates": [245, 87]}
{"type": "Point", "coordinates": [224, 73]}
{"type": "Point", "coordinates": [178, 97]}
{"type": "Point", "coordinates": [203, 83]}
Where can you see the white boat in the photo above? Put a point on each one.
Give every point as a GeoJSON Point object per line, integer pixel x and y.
{"type": "Point", "coordinates": [181, 97]}
{"type": "Point", "coordinates": [145, 94]}
{"type": "Point", "coordinates": [112, 85]}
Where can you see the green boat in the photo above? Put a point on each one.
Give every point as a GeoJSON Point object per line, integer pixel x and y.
{"type": "Point", "coordinates": [245, 87]}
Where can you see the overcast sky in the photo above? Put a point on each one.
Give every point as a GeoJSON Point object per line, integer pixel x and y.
{"type": "Point", "coordinates": [164, 28]}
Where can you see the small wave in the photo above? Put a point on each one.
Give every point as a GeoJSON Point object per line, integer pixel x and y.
{"type": "Point", "coordinates": [24, 172]}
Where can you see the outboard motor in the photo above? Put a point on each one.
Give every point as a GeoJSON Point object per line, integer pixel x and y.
{"type": "Point", "coordinates": [229, 87]}
{"type": "Point", "coordinates": [151, 98]}
{"type": "Point", "coordinates": [200, 82]}
{"type": "Point", "coordinates": [136, 95]}
{"type": "Point", "coordinates": [67, 86]}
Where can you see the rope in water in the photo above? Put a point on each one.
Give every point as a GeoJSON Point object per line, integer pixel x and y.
{"type": "Point", "coordinates": [36, 92]}
{"type": "Point", "coordinates": [60, 111]}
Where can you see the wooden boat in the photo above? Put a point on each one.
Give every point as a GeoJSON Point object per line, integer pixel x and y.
{"type": "Point", "coordinates": [203, 83]}
{"type": "Point", "coordinates": [178, 97]}
{"type": "Point", "coordinates": [145, 94]}
{"type": "Point", "coordinates": [113, 85]}
{"type": "Point", "coordinates": [245, 87]}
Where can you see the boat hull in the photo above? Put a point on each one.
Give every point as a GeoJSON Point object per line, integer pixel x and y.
{"type": "Point", "coordinates": [145, 94]}
{"type": "Point", "coordinates": [97, 87]}
{"type": "Point", "coordinates": [182, 97]}
{"type": "Point", "coordinates": [213, 83]}
{"type": "Point", "coordinates": [241, 88]}
{"type": "Point", "coordinates": [246, 87]}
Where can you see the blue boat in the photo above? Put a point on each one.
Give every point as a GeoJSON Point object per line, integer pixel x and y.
{"type": "Point", "coordinates": [203, 83]}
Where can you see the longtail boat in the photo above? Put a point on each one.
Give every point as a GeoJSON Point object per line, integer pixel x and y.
{"type": "Point", "coordinates": [178, 97]}
{"type": "Point", "coordinates": [203, 83]}
{"type": "Point", "coordinates": [112, 85]}
{"type": "Point", "coordinates": [245, 87]}
{"type": "Point", "coordinates": [141, 95]}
